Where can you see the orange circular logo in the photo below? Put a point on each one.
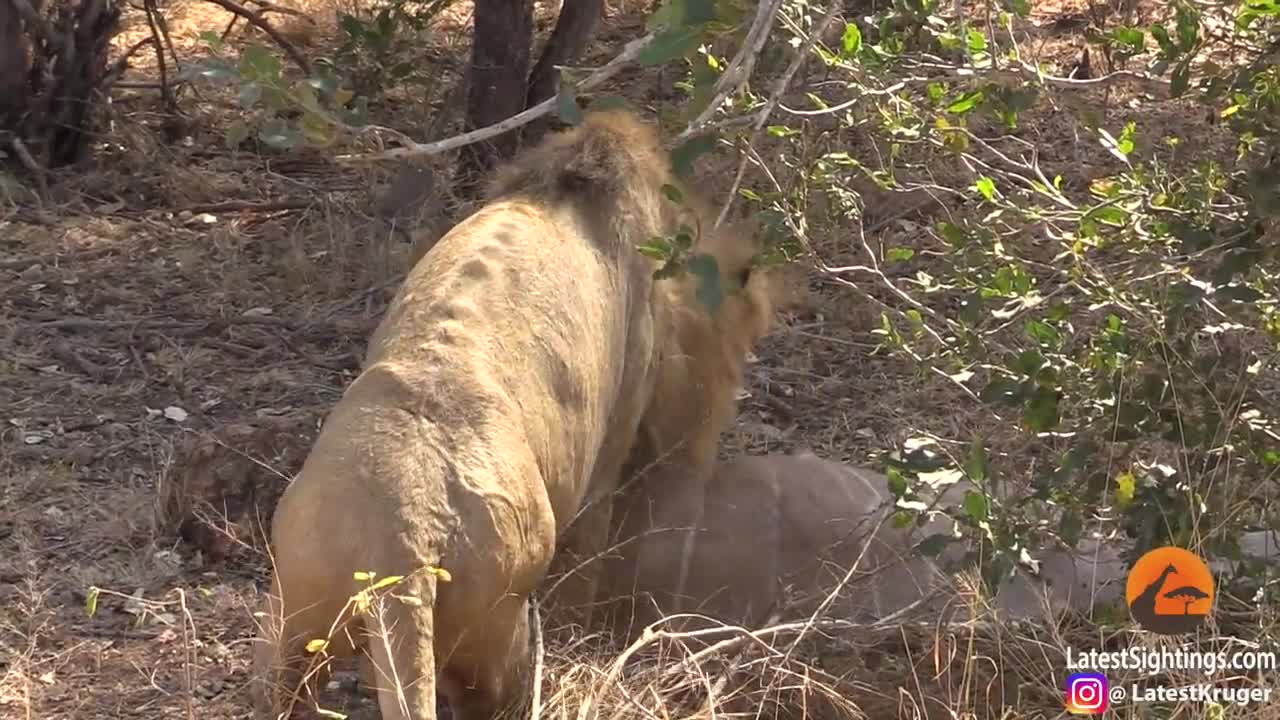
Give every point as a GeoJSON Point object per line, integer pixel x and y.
{"type": "Point", "coordinates": [1169, 591]}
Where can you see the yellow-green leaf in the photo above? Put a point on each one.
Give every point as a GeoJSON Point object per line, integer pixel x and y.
{"type": "Point", "coordinates": [1126, 487]}
{"type": "Point", "coordinates": [91, 601]}
{"type": "Point", "coordinates": [388, 580]}
{"type": "Point", "coordinates": [317, 645]}
{"type": "Point", "coordinates": [318, 130]}
{"type": "Point", "coordinates": [441, 573]}
{"type": "Point", "coordinates": [362, 576]}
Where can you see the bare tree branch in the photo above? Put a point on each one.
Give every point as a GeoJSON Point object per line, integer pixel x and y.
{"type": "Point", "coordinates": [259, 22]}
{"type": "Point", "coordinates": [629, 53]}
{"type": "Point", "coordinates": [741, 67]}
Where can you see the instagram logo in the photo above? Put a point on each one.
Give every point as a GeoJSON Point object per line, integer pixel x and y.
{"type": "Point", "coordinates": [1087, 694]}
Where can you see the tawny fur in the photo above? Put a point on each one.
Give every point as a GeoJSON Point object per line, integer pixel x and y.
{"type": "Point", "coordinates": [774, 534]}
{"type": "Point", "coordinates": [503, 389]}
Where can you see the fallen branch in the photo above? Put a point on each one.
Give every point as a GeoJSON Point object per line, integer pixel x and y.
{"type": "Point", "coordinates": [244, 205]}
{"type": "Point", "coordinates": [30, 260]}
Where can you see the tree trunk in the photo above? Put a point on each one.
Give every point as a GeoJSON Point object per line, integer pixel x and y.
{"type": "Point", "coordinates": [15, 66]}
{"type": "Point", "coordinates": [500, 48]}
{"type": "Point", "coordinates": [573, 29]}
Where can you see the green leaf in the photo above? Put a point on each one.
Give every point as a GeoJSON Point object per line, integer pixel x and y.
{"type": "Point", "coordinates": [987, 187]}
{"type": "Point", "coordinates": [899, 254]}
{"type": "Point", "coordinates": [1126, 143]}
{"type": "Point", "coordinates": [567, 106]}
{"type": "Point", "coordinates": [257, 63]}
{"type": "Point", "coordinates": [975, 507]}
{"type": "Point", "coordinates": [707, 270]}
{"type": "Point", "coordinates": [212, 39]}
{"type": "Point", "coordinates": [1001, 391]}
{"type": "Point", "coordinates": [1028, 362]}
{"type": "Point", "coordinates": [965, 102]}
{"type": "Point", "coordinates": [897, 482]}
{"type": "Point", "coordinates": [669, 45]}
{"type": "Point", "coordinates": [1187, 21]}
{"type": "Point", "coordinates": [851, 41]}
{"type": "Point", "coordinates": [952, 234]}
{"type": "Point", "coordinates": [1162, 39]}
{"type": "Point", "coordinates": [976, 466]}
{"type": "Point", "coordinates": [1109, 214]}
{"type": "Point", "coordinates": [305, 95]}
{"type": "Point", "coordinates": [1130, 39]}
{"type": "Point", "coordinates": [933, 545]}
{"type": "Point", "coordinates": [1180, 79]}
{"type": "Point", "coordinates": [682, 157]}
{"type": "Point", "coordinates": [1043, 333]}
{"type": "Point", "coordinates": [673, 193]}
{"type": "Point", "coordinates": [976, 41]}
{"type": "Point", "coordinates": [1070, 527]}
{"type": "Point", "coordinates": [657, 248]}
{"type": "Point", "coordinates": [235, 134]}
{"type": "Point", "coordinates": [1041, 413]}
{"type": "Point", "coordinates": [318, 130]}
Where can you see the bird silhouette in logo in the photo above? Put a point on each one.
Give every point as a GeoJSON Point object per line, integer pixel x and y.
{"type": "Point", "coordinates": [1169, 612]}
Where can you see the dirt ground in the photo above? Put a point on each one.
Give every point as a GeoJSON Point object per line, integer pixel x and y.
{"type": "Point", "coordinates": [177, 290]}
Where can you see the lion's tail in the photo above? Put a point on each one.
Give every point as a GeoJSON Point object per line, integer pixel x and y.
{"type": "Point", "coordinates": [402, 650]}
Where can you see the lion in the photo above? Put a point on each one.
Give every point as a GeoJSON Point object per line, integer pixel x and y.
{"type": "Point", "coordinates": [768, 537]}
{"type": "Point", "coordinates": [501, 393]}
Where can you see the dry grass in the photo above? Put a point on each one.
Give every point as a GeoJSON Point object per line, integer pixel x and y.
{"type": "Point", "coordinates": [137, 289]}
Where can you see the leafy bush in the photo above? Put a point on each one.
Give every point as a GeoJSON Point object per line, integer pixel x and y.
{"type": "Point", "coordinates": [1126, 330]}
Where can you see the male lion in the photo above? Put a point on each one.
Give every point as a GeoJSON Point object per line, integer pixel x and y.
{"type": "Point", "coordinates": [776, 533]}
{"type": "Point", "coordinates": [503, 389]}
